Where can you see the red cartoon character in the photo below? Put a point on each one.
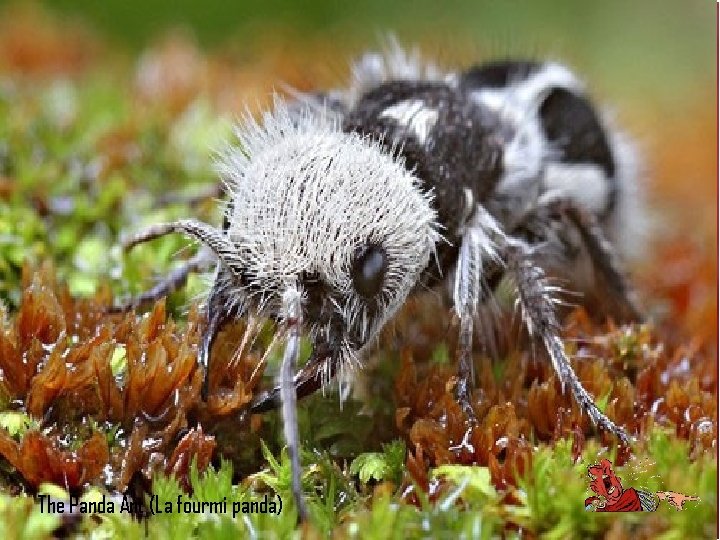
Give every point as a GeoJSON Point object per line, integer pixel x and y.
{"type": "Point", "coordinates": [610, 495]}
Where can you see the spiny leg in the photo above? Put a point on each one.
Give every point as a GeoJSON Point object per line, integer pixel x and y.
{"type": "Point", "coordinates": [465, 307]}
{"type": "Point", "coordinates": [602, 254]}
{"type": "Point", "coordinates": [535, 296]}
{"type": "Point", "coordinates": [173, 282]}
{"type": "Point", "coordinates": [208, 235]}
{"type": "Point", "coordinates": [477, 245]}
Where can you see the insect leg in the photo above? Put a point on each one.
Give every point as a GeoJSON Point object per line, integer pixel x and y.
{"type": "Point", "coordinates": [177, 278]}
{"type": "Point", "coordinates": [476, 245]}
{"type": "Point", "coordinates": [536, 299]}
{"type": "Point", "coordinates": [208, 235]}
{"type": "Point", "coordinates": [466, 280]}
{"type": "Point", "coordinates": [602, 254]}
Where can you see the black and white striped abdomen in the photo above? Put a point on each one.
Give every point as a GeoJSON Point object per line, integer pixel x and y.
{"type": "Point", "coordinates": [557, 144]}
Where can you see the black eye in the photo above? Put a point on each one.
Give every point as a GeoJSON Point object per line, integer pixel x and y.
{"type": "Point", "coordinates": [368, 270]}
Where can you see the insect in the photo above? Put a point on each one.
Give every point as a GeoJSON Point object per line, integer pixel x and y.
{"type": "Point", "coordinates": [342, 204]}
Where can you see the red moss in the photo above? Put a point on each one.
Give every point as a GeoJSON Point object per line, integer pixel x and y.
{"type": "Point", "coordinates": [55, 358]}
{"type": "Point", "coordinates": [195, 445]}
{"type": "Point", "coordinates": [39, 458]}
{"type": "Point", "coordinates": [640, 379]}
{"type": "Point", "coordinates": [441, 433]}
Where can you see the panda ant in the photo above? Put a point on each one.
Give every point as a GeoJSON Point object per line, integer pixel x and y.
{"type": "Point", "coordinates": [342, 204]}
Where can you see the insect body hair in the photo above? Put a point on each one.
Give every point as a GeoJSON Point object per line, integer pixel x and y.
{"type": "Point", "coordinates": [305, 197]}
{"type": "Point", "coordinates": [629, 225]}
{"type": "Point", "coordinates": [391, 63]}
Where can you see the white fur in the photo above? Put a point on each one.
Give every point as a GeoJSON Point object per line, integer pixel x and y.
{"type": "Point", "coordinates": [478, 247]}
{"type": "Point", "coordinates": [392, 63]}
{"type": "Point", "coordinates": [532, 174]}
{"type": "Point", "coordinates": [306, 196]}
{"type": "Point", "coordinates": [585, 183]}
{"type": "Point", "coordinates": [517, 106]}
{"type": "Point", "coordinates": [513, 102]}
{"type": "Point", "coordinates": [629, 226]}
{"type": "Point", "coordinates": [415, 115]}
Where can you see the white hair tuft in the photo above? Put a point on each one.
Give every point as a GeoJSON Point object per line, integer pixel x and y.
{"type": "Point", "coordinates": [305, 196]}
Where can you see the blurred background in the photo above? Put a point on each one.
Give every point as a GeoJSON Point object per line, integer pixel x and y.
{"type": "Point", "coordinates": [642, 47]}
{"type": "Point", "coordinates": [636, 49]}
{"type": "Point", "coordinates": [652, 63]}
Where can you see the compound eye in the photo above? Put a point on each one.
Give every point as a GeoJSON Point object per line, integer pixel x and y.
{"type": "Point", "coordinates": [368, 270]}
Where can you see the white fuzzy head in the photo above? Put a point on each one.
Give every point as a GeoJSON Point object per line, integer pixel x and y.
{"type": "Point", "coordinates": [307, 199]}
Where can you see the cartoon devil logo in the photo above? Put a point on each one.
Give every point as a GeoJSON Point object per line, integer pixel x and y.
{"type": "Point", "coordinates": [610, 496]}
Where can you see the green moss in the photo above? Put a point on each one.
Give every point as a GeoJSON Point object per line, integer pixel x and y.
{"type": "Point", "coordinates": [554, 491]}
{"type": "Point", "coordinates": [21, 518]}
{"type": "Point", "coordinates": [385, 465]}
{"type": "Point", "coordinates": [16, 423]}
{"type": "Point", "coordinates": [550, 499]}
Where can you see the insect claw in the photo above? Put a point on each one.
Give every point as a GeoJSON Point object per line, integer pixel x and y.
{"type": "Point", "coordinates": [208, 339]}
